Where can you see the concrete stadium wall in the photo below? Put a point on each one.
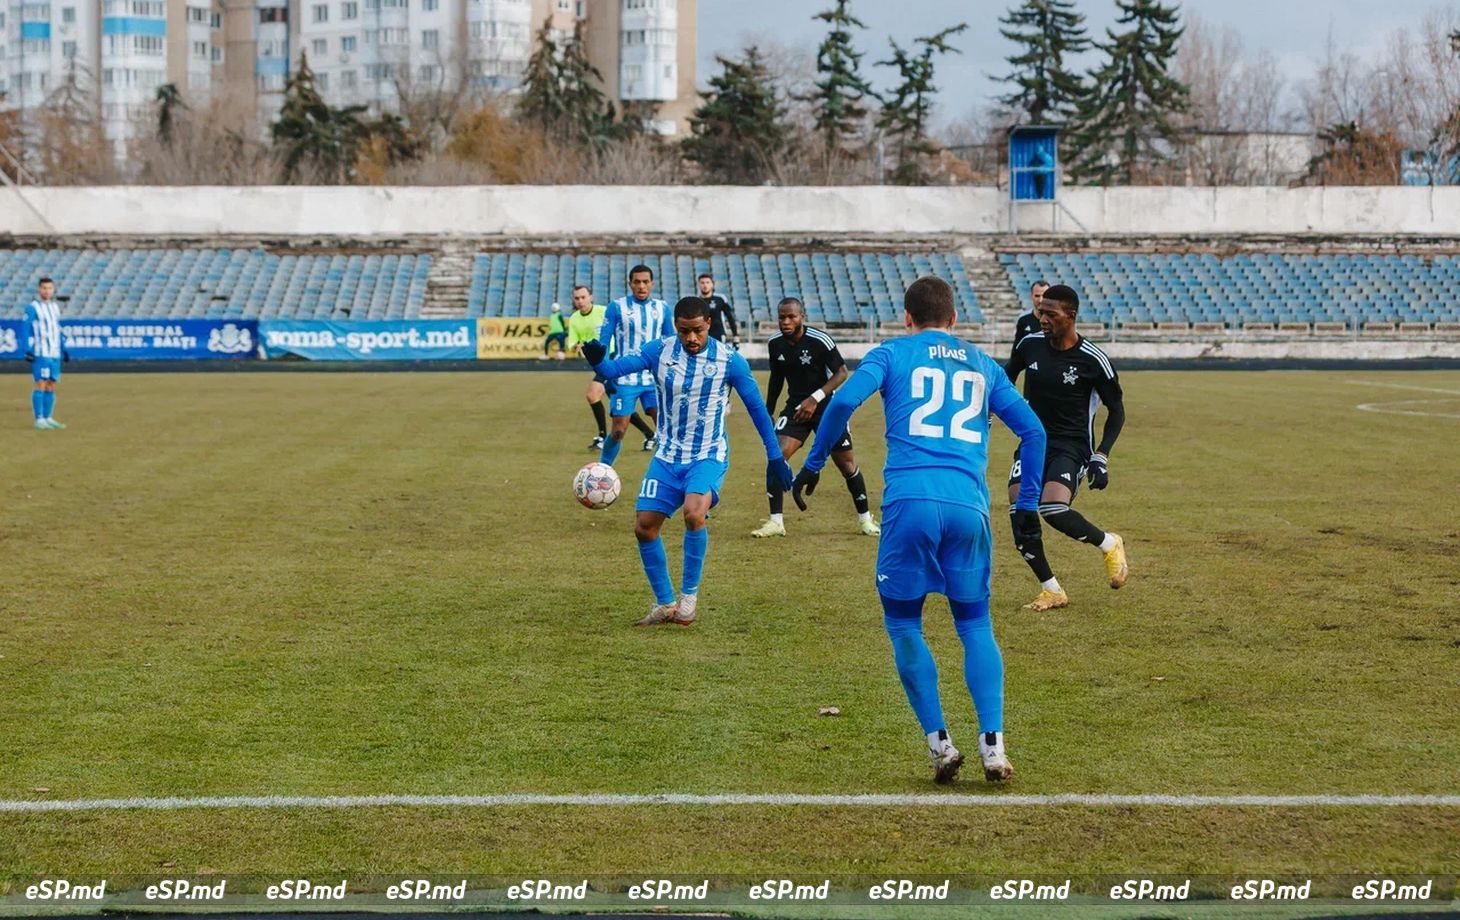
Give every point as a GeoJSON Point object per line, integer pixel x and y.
{"type": "Point", "coordinates": [707, 211]}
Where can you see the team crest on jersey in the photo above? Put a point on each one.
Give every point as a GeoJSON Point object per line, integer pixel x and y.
{"type": "Point", "coordinates": [805, 357]}
{"type": "Point", "coordinates": [710, 369]}
{"type": "Point", "coordinates": [1071, 375]}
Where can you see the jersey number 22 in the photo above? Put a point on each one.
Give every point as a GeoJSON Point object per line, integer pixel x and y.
{"type": "Point", "coordinates": [931, 384]}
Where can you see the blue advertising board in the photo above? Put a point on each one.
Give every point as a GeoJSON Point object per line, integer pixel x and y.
{"type": "Point", "coordinates": [395, 340]}
{"type": "Point", "coordinates": [142, 339]}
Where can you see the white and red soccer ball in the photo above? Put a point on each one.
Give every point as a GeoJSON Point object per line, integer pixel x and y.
{"type": "Point", "coordinates": [596, 485]}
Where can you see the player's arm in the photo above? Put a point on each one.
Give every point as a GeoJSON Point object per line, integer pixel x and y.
{"type": "Point", "coordinates": [777, 471]}
{"type": "Point", "coordinates": [595, 353]}
{"type": "Point", "coordinates": [773, 389]}
{"type": "Point", "coordinates": [858, 389]}
{"type": "Point", "coordinates": [32, 335]}
{"type": "Point", "coordinates": [839, 374]}
{"type": "Point", "coordinates": [1108, 389]}
{"type": "Point", "coordinates": [611, 320]}
{"type": "Point", "coordinates": [1011, 409]}
{"type": "Point", "coordinates": [1017, 362]}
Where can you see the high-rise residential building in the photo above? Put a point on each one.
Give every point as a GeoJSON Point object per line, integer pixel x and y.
{"type": "Point", "coordinates": [363, 52]}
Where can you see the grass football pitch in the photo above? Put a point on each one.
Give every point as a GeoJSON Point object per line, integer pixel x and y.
{"type": "Point", "coordinates": [340, 583]}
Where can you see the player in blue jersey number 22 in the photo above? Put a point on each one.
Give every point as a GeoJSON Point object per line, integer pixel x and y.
{"type": "Point", "coordinates": [693, 374]}
{"type": "Point", "coordinates": [937, 392]}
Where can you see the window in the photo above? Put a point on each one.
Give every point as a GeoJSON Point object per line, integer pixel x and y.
{"type": "Point", "coordinates": [197, 14]}
{"type": "Point", "coordinates": [321, 12]}
{"type": "Point", "coordinates": [215, 20]}
{"type": "Point", "coordinates": [322, 80]}
{"type": "Point", "coordinates": [350, 10]}
{"type": "Point", "coordinates": [319, 47]}
{"type": "Point", "coordinates": [200, 50]}
{"type": "Point", "coordinates": [430, 6]}
{"type": "Point", "coordinates": [273, 14]}
{"type": "Point", "coordinates": [217, 55]}
{"type": "Point", "coordinates": [429, 73]}
{"type": "Point", "coordinates": [348, 43]}
{"type": "Point", "coordinates": [347, 79]}
{"type": "Point", "coordinates": [68, 49]}
{"type": "Point", "coordinates": [431, 39]}
{"type": "Point", "coordinates": [68, 14]}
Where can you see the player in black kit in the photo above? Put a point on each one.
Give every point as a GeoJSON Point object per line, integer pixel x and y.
{"type": "Point", "coordinates": [1066, 380]}
{"type": "Point", "coordinates": [1029, 322]}
{"type": "Point", "coordinates": [807, 363]}
{"type": "Point", "coordinates": [721, 313]}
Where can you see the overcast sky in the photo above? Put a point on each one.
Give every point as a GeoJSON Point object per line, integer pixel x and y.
{"type": "Point", "coordinates": [1296, 31]}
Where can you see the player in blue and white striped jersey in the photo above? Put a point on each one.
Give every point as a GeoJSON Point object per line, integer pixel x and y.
{"type": "Point", "coordinates": [45, 352]}
{"type": "Point", "coordinates": [693, 374]}
{"type": "Point", "coordinates": [630, 323]}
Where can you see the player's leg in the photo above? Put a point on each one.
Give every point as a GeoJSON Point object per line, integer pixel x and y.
{"type": "Point", "coordinates": [1062, 479]}
{"type": "Point", "coordinates": [1051, 595]}
{"type": "Point", "coordinates": [621, 406]}
{"type": "Point", "coordinates": [51, 401]}
{"type": "Point", "coordinates": [846, 462]}
{"type": "Point", "coordinates": [660, 495]}
{"type": "Point", "coordinates": [906, 567]}
{"type": "Point", "coordinates": [702, 483]}
{"type": "Point", "coordinates": [650, 402]}
{"type": "Point", "coordinates": [594, 395]}
{"type": "Point", "coordinates": [965, 556]}
{"type": "Point", "coordinates": [775, 525]}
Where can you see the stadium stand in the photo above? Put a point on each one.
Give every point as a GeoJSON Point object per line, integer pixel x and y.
{"type": "Point", "coordinates": [1332, 292]}
{"type": "Point", "coordinates": [838, 288]}
{"type": "Point", "coordinates": [217, 283]}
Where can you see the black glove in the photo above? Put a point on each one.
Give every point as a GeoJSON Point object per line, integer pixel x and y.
{"type": "Point", "coordinates": [30, 357]}
{"type": "Point", "coordinates": [594, 353]}
{"type": "Point", "coordinates": [777, 475]}
{"type": "Point", "coordinates": [1099, 472]}
{"type": "Point", "coordinates": [65, 356]}
{"type": "Point", "coordinates": [805, 481]}
{"type": "Point", "coordinates": [1026, 526]}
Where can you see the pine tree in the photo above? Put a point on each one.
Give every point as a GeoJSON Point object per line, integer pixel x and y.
{"type": "Point", "coordinates": [837, 100]}
{"type": "Point", "coordinates": [739, 131]}
{"type": "Point", "coordinates": [1126, 123]}
{"type": "Point", "coordinates": [169, 100]}
{"type": "Point", "coordinates": [315, 134]}
{"type": "Point", "coordinates": [908, 108]}
{"type": "Point", "coordinates": [560, 93]}
{"type": "Point", "coordinates": [1048, 30]}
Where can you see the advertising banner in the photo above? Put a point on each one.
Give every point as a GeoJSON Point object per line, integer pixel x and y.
{"type": "Point", "coordinates": [142, 339]}
{"type": "Point", "coordinates": [499, 337]}
{"type": "Point", "coordinates": [392, 340]}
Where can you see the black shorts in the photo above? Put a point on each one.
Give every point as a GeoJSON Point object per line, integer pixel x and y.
{"type": "Point", "coordinates": [1065, 462]}
{"type": "Point", "coordinates": [607, 384]}
{"type": "Point", "coordinates": [787, 425]}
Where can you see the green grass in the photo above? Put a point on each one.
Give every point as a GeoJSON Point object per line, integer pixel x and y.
{"type": "Point", "coordinates": [379, 583]}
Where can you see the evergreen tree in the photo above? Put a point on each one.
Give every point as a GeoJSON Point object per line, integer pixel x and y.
{"type": "Point", "coordinates": [1126, 123]}
{"type": "Point", "coordinates": [169, 100]}
{"type": "Point", "coordinates": [908, 108]}
{"type": "Point", "coordinates": [739, 131]}
{"type": "Point", "coordinates": [560, 93]}
{"type": "Point", "coordinates": [314, 134]}
{"type": "Point", "coordinates": [837, 101]}
{"type": "Point", "coordinates": [1048, 30]}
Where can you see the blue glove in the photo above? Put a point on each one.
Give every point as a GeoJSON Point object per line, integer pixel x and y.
{"type": "Point", "coordinates": [805, 481]}
{"type": "Point", "coordinates": [594, 353]}
{"type": "Point", "coordinates": [778, 476]}
{"type": "Point", "coordinates": [1099, 472]}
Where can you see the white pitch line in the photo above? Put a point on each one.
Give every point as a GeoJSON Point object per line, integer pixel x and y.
{"type": "Point", "coordinates": [1399, 386]}
{"type": "Point", "coordinates": [870, 800]}
{"type": "Point", "coordinates": [1385, 408]}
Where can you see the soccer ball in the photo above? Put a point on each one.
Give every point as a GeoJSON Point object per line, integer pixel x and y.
{"type": "Point", "coordinates": [596, 485]}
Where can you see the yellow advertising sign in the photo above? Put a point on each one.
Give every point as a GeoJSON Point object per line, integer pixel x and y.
{"type": "Point", "coordinates": [510, 338]}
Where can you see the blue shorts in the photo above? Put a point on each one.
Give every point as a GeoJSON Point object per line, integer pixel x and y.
{"type": "Point", "coordinates": [46, 369]}
{"type": "Point", "coordinates": [666, 484]}
{"type": "Point", "coordinates": [931, 548]}
{"type": "Point", "coordinates": [624, 398]}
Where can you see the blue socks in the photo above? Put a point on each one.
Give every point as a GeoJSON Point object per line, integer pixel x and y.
{"type": "Point", "coordinates": [983, 665]}
{"type": "Point", "coordinates": [904, 622]}
{"type": "Point", "coordinates": [49, 403]}
{"type": "Point", "coordinates": [656, 566]}
{"type": "Point", "coordinates": [611, 447]}
{"type": "Point", "coordinates": [38, 403]}
{"type": "Point", "coordinates": [696, 544]}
